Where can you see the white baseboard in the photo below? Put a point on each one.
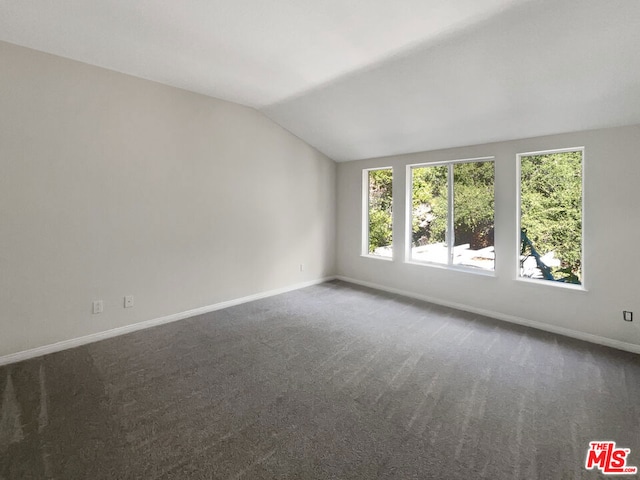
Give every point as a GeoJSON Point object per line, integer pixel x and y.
{"type": "Point", "coordinates": [95, 337]}
{"type": "Point", "coordinates": [587, 337]}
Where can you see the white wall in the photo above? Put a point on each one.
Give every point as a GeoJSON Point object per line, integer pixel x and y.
{"type": "Point", "coordinates": [611, 229]}
{"type": "Point", "coordinates": [112, 185]}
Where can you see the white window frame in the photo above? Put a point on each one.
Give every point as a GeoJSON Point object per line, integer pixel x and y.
{"type": "Point", "coordinates": [364, 251]}
{"type": "Point", "coordinates": [450, 234]}
{"type": "Point", "coordinates": [541, 281]}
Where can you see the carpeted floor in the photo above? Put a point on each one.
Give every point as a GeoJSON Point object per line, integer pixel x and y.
{"type": "Point", "coordinates": [332, 381]}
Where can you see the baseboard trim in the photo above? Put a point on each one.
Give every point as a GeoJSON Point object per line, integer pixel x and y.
{"type": "Point", "coordinates": [587, 337]}
{"type": "Point", "coordinates": [115, 332]}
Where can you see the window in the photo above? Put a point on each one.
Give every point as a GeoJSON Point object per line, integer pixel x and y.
{"type": "Point", "coordinates": [452, 210]}
{"type": "Point", "coordinates": [550, 215]}
{"type": "Point", "coordinates": [377, 212]}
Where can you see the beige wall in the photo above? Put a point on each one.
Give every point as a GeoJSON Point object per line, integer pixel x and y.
{"type": "Point", "coordinates": [611, 234]}
{"type": "Point", "coordinates": [112, 185]}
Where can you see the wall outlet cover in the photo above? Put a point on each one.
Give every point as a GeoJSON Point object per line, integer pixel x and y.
{"type": "Point", "coordinates": [128, 301]}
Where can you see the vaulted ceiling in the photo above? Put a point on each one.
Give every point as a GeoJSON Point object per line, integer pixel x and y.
{"type": "Point", "coordinates": [367, 78]}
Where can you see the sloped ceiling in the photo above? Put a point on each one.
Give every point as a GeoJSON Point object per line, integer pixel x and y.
{"type": "Point", "coordinates": [367, 78]}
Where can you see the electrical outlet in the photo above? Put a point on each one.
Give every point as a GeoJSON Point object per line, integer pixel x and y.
{"type": "Point", "coordinates": [302, 267]}
{"type": "Point", "coordinates": [128, 301]}
{"type": "Point", "coordinates": [98, 307]}
{"type": "Point", "coordinates": [627, 316]}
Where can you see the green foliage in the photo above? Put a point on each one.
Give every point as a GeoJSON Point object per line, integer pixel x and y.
{"type": "Point", "coordinates": [429, 201]}
{"type": "Point", "coordinates": [551, 206]}
{"type": "Point", "coordinates": [473, 203]}
{"type": "Point", "coordinates": [380, 208]}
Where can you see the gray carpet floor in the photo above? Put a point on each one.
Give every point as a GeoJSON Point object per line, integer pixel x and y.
{"type": "Point", "coordinates": [332, 381]}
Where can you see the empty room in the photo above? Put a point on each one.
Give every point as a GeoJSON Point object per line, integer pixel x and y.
{"type": "Point", "coordinates": [319, 239]}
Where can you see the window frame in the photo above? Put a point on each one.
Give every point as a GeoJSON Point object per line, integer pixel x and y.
{"type": "Point", "coordinates": [364, 248]}
{"type": "Point", "coordinates": [450, 216]}
{"type": "Point", "coordinates": [541, 281]}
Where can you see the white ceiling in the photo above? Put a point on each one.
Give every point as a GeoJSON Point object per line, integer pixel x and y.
{"type": "Point", "coordinates": [366, 78]}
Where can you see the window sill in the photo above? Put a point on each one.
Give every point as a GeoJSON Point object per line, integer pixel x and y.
{"type": "Point", "coordinates": [552, 284]}
{"type": "Point", "coordinates": [454, 268]}
{"type": "Point", "coordinates": [377, 257]}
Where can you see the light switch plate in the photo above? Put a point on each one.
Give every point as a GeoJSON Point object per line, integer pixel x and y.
{"type": "Point", "coordinates": [98, 307]}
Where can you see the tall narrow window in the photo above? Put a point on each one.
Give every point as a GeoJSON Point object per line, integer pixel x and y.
{"type": "Point", "coordinates": [429, 220]}
{"type": "Point", "coordinates": [550, 217]}
{"type": "Point", "coordinates": [378, 215]}
{"type": "Point", "coordinates": [452, 210]}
